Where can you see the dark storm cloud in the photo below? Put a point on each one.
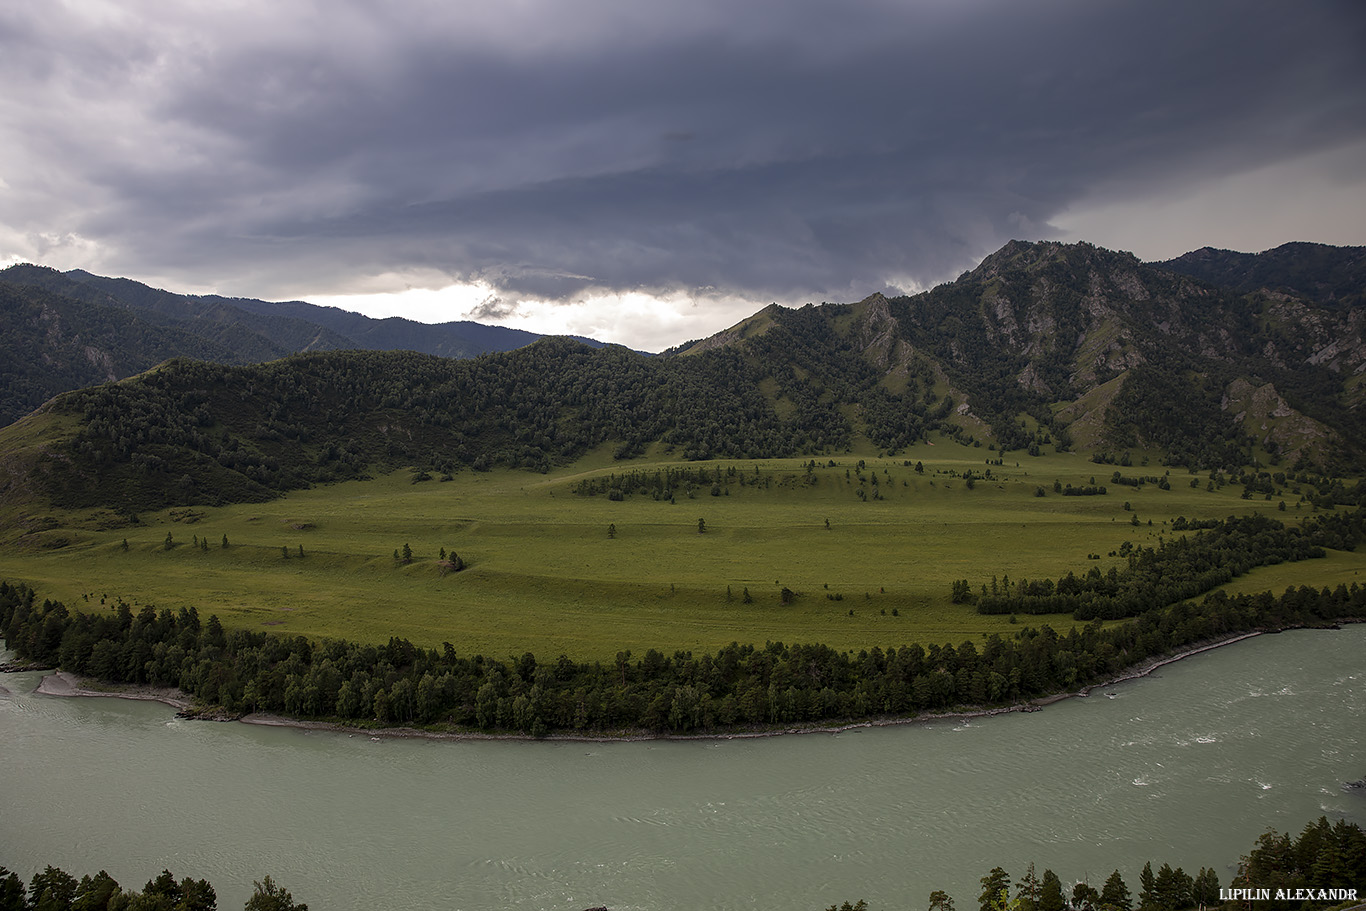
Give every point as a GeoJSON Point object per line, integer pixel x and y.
{"type": "Point", "coordinates": [785, 150]}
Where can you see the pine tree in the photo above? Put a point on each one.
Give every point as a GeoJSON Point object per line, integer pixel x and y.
{"type": "Point", "coordinates": [1027, 891]}
{"type": "Point", "coordinates": [12, 891]}
{"type": "Point", "coordinates": [1114, 895]}
{"type": "Point", "coordinates": [1174, 888]}
{"type": "Point", "coordinates": [1147, 893]}
{"type": "Point", "coordinates": [1085, 897]}
{"type": "Point", "coordinates": [940, 901]}
{"type": "Point", "coordinates": [270, 897]}
{"type": "Point", "coordinates": [994, 885]}
{"type": "Point", "coordinates": [1050, 893]}
{"type": "Point", "coordinates": [1206, 888]}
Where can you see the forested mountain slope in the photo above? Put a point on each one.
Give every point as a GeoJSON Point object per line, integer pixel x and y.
{"type": "Point", "coordinates": [1333, 276]}
{"type": "Point", "coordinates": [1042, 345]}
{"type": "Point", "coordinates": [50, 344]}
{"type": "Point", "coordinates": [1079, 346]}
{"type": "Point", "coordinates": [1115, 354]}
{"type": "Point", "coordinates": [198, 432]}
{"type": "Point", "coordinates": [243, 337]}
{"type": "Point", "coordinates": [73, 329]}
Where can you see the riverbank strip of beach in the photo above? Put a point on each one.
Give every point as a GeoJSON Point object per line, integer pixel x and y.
{"type": "Point", "coordinates": [63, 683]}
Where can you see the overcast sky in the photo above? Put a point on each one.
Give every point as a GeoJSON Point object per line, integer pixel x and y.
{"type": "Point", "coordinates": [650, 172]}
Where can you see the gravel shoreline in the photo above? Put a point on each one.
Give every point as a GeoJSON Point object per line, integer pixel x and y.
{"type": "Point", "coordinates": [62, 683]}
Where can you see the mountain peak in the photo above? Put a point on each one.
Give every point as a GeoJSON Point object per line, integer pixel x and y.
{"type": "Point", "coordinates": [1023, 255]}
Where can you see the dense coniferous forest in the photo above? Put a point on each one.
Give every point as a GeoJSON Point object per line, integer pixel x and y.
{"type": "Point", "coordinates": [1197, 433]}
{"type": "Point", "coordinates": [194, 432]}
{"type": "Point", "coordinates": [773, 685]}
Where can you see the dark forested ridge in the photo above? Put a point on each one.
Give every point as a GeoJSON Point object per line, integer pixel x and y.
{"type": "Point", "coordinates": [51, 344]}
{"type": "Point", "coordinates": [1043, 345]}
{"type": "Point", "coordinates": [66, 330]}
{"type": "Point", "coordinates": [1335, 276]}
{"type": "Point", "coordinates": [194, 432]}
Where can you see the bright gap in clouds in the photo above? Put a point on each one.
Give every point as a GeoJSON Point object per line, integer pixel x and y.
{"type": "Point", "coordinates": [425, 305]}
{"type": "Point", "coordinates": [639, 320]}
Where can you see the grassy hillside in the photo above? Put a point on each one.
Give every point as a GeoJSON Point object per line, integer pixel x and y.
{"type": "Point", "coordinates": [545, 575]}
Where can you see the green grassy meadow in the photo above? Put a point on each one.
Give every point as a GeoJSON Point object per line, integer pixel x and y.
{"type": "Point", "coordinates": [544, 576]}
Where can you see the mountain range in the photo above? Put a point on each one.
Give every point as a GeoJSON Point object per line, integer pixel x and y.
{"type": "Point", "coordinates": [65, 330]}
{"type": "Point", "coordinates": [1212, 360]}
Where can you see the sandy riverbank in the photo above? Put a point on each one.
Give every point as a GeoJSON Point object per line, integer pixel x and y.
{"type": "Point", "coordinates": [62, 683]}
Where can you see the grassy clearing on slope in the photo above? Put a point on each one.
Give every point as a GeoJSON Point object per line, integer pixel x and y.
{"type": "Point", "coordinates": [544, 576]}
